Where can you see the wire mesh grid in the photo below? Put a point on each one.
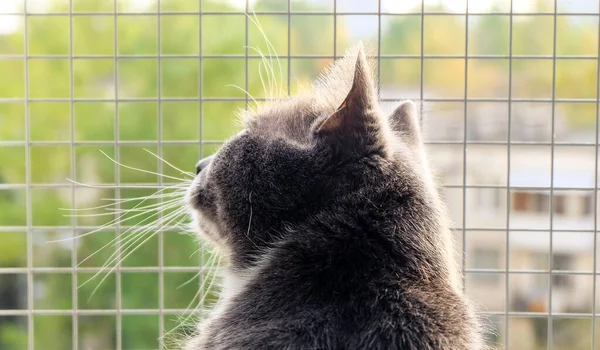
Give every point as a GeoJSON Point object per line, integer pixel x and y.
{"type": "Point", "coordinates": [523, 195]}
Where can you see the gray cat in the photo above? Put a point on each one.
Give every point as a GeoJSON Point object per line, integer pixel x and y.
{"type": "Point", "coordinates": [332, 227]}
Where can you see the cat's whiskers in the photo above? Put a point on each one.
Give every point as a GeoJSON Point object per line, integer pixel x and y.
{"type": "Point", "coordinates": [111, 186]}
{"type": "Point", "coordinates": [119, 239]}
{"type": "Point", "coordinates": [262, 81]}
{"type": "Point", "coordinates": [197, 274]}
{"type": "Point", "coordinates": [172, 217]}
{"type": "Point", "coordinates": [213, 277]}
{"type": "Point", "coordinates": [155, 195]}
{"type": "Point", "coordinates": [270, 77]}
{"type": "Point", "coordinates": [119, 219]}
{"type": "Point", "coordinates": [179, 188]}
{"type": "Point", "coordinates": [142, 170]}
{"type": "Point", "coordinates": [186, 315]}
{"type": "Point", "coordinates": [190, 314]}
{"type": "Point", "coordinates": [112, 211]}
{"type": "Point", "coordinates": [196, 251]}
{"type": "Point", "coordinates": [161, 206]}
{"type": "Point", "coordinates": [271, 89]}
{"type": "Point", "coordinates": [121, 201]}
{"type": "Point", "coordinates": [187, 173]}
{"type": "Point", "coordinates": [250, 221]}
{"type": "Point", "coordinates": [244, 91]}
{"type": "Point", "coordinates": [272, 52]}
{"type": "Point", "coordinates": [171, 200]}
{"type": "Point", "coordinates": [156, 224]}
{"type": "Point", "coordinates": [203, 289]}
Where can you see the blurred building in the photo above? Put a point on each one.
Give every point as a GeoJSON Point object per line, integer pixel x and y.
{"type": "Point", "coordinates": [508, 204]}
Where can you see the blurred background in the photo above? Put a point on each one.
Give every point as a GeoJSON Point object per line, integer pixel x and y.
{"type": "Point", "coordinates": [509, 100]}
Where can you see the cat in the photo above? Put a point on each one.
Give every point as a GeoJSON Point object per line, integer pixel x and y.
{"type": "Point", "coordinates": [330, 221]}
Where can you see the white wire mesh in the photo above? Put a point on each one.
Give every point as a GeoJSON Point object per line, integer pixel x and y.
{"type": "Point", "coordinates": [510, 113]}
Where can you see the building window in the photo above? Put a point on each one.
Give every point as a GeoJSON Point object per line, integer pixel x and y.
{"type": "Point", "coordinates": [520, 201]}
{"type": "Point", "coordinates": [539, 262]}
{"type": "Point", "coordinates": [561, 262]}
{"type": "Point", "coordinates": [543, 202]}
{"type": "Point", "coordinates": [559, 204]}
{"type": "Point", "coordinates": [588, 205]}
{"type": "Point", "coordinates": [539, 202]}
{"type": "Point", "coordinates": [530, 202]}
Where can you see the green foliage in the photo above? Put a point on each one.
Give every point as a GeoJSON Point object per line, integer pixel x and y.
{"type": "Point", "coordinates": [532, 64]}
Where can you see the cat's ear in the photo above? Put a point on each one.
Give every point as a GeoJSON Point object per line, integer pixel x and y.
{"type": "Point", "coordinates": [358, 110]}
{"type": "Point", "coordinates": [405, 121]}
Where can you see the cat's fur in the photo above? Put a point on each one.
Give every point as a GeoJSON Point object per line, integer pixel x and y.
{"type": "Point", "coordinates": [333, 228]}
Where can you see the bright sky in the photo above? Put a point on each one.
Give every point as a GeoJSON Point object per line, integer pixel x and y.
{"type": "Point", "coordinates": [9, 23]}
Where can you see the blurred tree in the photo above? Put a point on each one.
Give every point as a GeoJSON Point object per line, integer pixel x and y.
{"type": "Point", "coordinates": [532, 37]}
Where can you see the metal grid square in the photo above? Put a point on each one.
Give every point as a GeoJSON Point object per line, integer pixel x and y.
{"type": "Point", "coordinates": [520, 237]}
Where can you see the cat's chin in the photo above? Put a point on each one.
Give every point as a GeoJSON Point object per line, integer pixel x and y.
{"type": "Point", "coordinates": [204, 227]}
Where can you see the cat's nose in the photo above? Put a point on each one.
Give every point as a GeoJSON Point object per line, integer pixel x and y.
{"type": "Point", "coordinates": [203, 163]}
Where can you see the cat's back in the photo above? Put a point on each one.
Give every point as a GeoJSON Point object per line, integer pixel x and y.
{"type": "Point", "coordinates": [345, 300]}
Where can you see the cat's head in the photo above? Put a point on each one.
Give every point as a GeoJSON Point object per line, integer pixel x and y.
{"type": "Point", "coordinates": [300, 156]}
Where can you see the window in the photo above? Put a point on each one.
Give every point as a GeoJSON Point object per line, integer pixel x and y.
{"type": "Point", "coordinates": [539, 261]}
{"type": "Point", "coordinates": [539, 202]}
{"type": "Point", "coordinates": [530, 202]}
{"type": "Point", "coordinates": [559, 204]}
{"type": "Point", "coordinates": [561, 262]}
{"type": "Point", "coordinates": [520, 201]}
{"type": "Point", "coordinates": [543, 202]}
{"type": "Point", "coordinates": [588, 205]}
